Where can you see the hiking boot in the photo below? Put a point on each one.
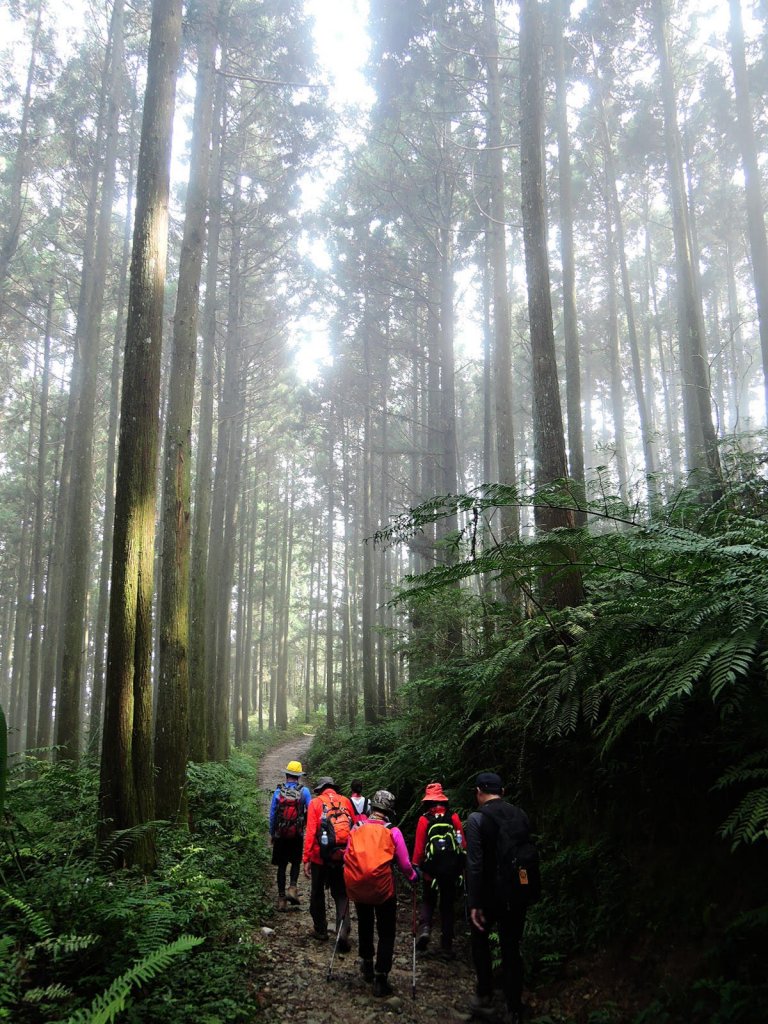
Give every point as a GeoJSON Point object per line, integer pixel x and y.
{"type": "Point", "coordinates": [320, 936]}
{"type": "Point", "coordinates": [482, 1006]}
{"type": "Point", "coordinates": [446, 953]}
{"type": "Point", "coordinates": [366, 969]}
{"type": "Point", "coordinates": [293, 895]}
{"type": "Point", "coordinates": [381, 987]}
{"type": "Point", "coordinates": [422, 939]}
{"type": "Point", "coordinates": [282, 904]}
{"type": "Point", "coordinates": [343, 946]}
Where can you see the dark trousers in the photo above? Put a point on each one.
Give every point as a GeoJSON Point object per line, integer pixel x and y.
{"type": "Point", "coordinates": [285, 852]}
{"type": "Point", "coordinates": [329, 876]}
{"type": "Point", "coordinates": [384, 916]}
{"type": "Point", "coordinates": [509, 922]}
{"type": "Point", "coordinates": [445, 893]}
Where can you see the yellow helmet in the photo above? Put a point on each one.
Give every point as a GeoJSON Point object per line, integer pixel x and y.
{"type": "Point", "coordinates": [294, 768]}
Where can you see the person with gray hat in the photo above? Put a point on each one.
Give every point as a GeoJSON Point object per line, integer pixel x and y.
{"type": "Point", "coordinates": [502, 881]}
{"type": "Point", "coordinates": [375, 847]}
{"type": "Point", "coordinates": [329, 821]}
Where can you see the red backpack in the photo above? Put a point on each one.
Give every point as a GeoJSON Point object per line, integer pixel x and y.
{"type": "Point", "coordinates": [368, 864]}
{"type": "Point", "coordinates": [289, 812]}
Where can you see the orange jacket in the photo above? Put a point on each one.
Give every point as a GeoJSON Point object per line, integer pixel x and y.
{"type": "Point", "coordinates": [311, 845]}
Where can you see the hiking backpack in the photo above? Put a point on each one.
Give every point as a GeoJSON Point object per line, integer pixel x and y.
{"type": "Point", "coordinates": [443, 855]}
{"type": "Point", "coordinates": [333, 831]}
{"type": "Point", "coordinates": [289, 812]}
{"type": "Point", "coordinates": [368, 872]}
{"type": "Point", "coordinates": [518, 877]}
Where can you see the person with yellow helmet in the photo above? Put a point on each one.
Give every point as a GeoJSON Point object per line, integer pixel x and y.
{"type": "Point", "coordinates": [287, 819]}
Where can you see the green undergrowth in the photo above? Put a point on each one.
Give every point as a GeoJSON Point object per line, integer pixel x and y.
{"type": "Point", "coordinates": [80, 940]}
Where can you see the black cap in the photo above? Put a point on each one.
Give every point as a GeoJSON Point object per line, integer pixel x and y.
{"type": "Point", "coordinates": [489, 782]}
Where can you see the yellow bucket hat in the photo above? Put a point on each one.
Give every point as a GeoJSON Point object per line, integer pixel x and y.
{"type": "Point", "coordinates": [294, 768]}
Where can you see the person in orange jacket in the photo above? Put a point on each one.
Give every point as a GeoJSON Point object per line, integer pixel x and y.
{"type": "Point", "coordinates": [438, 850]}
{"type": "Point", "coordinates": [329, 821]}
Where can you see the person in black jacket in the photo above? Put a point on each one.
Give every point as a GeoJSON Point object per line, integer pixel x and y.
{"type": "Point", "coordinates": [488, 903]}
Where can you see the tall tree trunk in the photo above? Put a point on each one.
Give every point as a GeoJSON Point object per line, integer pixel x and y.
{"type": "Point", "coordinates": [330, 718]}
{"type": "Point", "coordinates": [739, 391]}
{"type": "Point", "coordinates": [701, 442]}
{"type": "Point", "coordinates": [199, 614]}
{"type": "Point", "coordinates": [38, 567]}
{"type": "Point", "coordinates": [263, 612]}
{"type": "Point", "coordinates": [758, 243]}
{"type": "Point", "coordinates": [570, 321]}
{"type": "Point", "coordinates": [126, 785]}
{"type": "Point", "coordinates": [550, 464]}
{"type": "Point", "coordinates": [14, 205]}
{"type": "Point", "coordinates": [225, 494]}
{"type": "Point", "coordinates": [250, 520]}
{"type": "Point", "coordinates": [172, 724]}
{"type": "Point", "coordinates": [502, 328]}
{"type": "Point", "coordinates": [100, 628]}
{"type": "Point", "coordinates": [370, 704]}
{"type": "Point", "coordinates": [79, 512]}
{"type": "Point", "coordinates": [614, 358]}
{"type": "Point", "coordinates": [17, 703]}
{"type": "Point", "coordinates": [284, 607]}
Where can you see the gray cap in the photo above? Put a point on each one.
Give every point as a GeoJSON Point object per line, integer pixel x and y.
{"type": "Point", "coordinates": [323, 783]}
{"type": "Point", "coordinates": [383, 800]}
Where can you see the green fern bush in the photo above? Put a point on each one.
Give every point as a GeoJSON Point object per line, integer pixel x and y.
{"type": "Point", "coordinates": [79, 937]}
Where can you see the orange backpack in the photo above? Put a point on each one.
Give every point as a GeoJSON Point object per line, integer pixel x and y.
{"type": "Point", "coordinates": [368, 864]}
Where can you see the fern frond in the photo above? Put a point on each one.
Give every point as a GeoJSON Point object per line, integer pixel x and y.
{"type": "Point", "coordinates": [49, 994]}
{"type": "Point", "coordinates": [105, 1007]}
{"type": "Point", "coordinates": [65, 945]}
{"type": "Point", "coordinates": [118, 843]}
{"type": "Point", "coordinates": [754, 766]}
{"type": "Point", "coordinates": [35, 921]}
{"type": "Point", "coordinates": [748, 822]}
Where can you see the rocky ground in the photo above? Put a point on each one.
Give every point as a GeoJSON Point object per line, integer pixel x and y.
{"type": "Point", "coordinates": [296, 987]}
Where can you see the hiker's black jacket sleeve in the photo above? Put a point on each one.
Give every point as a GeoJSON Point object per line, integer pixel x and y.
{"type": "Point", "coordinates": [477, 853]}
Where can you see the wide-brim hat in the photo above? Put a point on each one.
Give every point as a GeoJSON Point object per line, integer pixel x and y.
{"type": "Point", "coordinates": [323, 783]}
{"type": "Point", "coordinates": [294, 768]}
{"type": "Point", "coordinates": [434, 794]}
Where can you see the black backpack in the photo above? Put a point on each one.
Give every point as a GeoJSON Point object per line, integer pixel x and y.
{"type": "Point", "coordinates": [518, 877]}
{"type": "Point", "coordinates": [443, 855]}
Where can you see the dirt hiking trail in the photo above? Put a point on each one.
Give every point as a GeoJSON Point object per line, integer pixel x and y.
{"type": "Point", "coordinates": [294, 986]}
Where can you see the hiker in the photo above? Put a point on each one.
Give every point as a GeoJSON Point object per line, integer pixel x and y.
{"type": "Point", "coordinates": [361, 803]}
{"type": "Point", "coordinates": [500, 889]}
{"type": "Point", "coordinates": [287, 815]}
{"type": "Point", "coordinates": [329, 821]}
{"type": "Point", "coordinates": [438, 850]}
{"type": "Point", "coordinates": [374, 847]}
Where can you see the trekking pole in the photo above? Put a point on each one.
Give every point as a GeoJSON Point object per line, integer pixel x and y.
{"type": "Point", "coordinates": [336, 943]}
{"type": "Point", "coordinates": [413, 929]}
